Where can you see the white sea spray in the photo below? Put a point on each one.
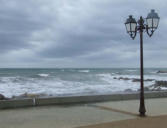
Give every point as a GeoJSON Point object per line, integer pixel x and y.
{"type": "Point", "coordinates": [64, 82]}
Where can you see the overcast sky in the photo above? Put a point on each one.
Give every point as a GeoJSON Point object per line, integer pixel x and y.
{"type": "Point", "coordinates": [78, 33]}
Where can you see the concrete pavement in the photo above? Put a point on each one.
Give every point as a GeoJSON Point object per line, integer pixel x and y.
{"type": "Point", "coordinates": [154, 107]}
{"type": "Point", "coordinates": [71, 116]}
{"type": "Point", "coordinates": [57, 117]}
{"type": "Point", "coordinates": [147, 122]}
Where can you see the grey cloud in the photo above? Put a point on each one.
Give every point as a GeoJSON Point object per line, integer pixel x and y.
{"type": "Point", "coordinates": [89, 31]}
{"type": "Point", "coordinates": [17, 25]}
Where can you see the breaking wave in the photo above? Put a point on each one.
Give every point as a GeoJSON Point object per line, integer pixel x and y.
{"type": "Point", "coordinates": [70, 82]}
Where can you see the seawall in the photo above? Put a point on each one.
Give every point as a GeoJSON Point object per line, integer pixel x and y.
{"type": "Point", "coordinates": [30, 102]}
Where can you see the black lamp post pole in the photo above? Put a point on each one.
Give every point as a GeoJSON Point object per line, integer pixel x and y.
{"type": "Point", "coordinates": [142, 109]}
{"type": "Point", "coordinates": [132, 28]}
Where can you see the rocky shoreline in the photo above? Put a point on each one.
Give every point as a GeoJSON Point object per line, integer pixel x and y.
{"type": "Point", "coordinates": [132, 79]}
{"type": "Point", "coordinates": [162, 71]}
{"type": "Point", "coordinates": [2, 97]}
{"type": "Point", "coordinates": [159, 85]}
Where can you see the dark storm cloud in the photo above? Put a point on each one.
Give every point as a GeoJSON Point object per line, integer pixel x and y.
{"type": "Point", "coordinates": [76, 44]}
{"type": "Point", "coordinates": [94, 32]}
{"type": "Point", "coordinates": [79, 33]}
{"type": "Point", "coordinates": [17, 24]}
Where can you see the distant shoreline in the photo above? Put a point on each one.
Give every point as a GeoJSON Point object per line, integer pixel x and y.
{"type": "Point", "coordinates": [81, 67]}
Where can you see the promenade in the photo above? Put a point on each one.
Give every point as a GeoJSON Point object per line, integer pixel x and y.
{"type": "Point", "coordinates": [91, 115]}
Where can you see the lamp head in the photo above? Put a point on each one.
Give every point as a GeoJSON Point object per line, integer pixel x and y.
{"type": "Point", "coordinates": [131, 26]}
{"type": "Point", "coordinates": [152, 20]}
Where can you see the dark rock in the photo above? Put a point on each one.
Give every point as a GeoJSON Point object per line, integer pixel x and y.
{"type": "Point", "coordinates": [2, 97]}
{"type": "Point", "coordinates": [135, 80]}
{"type": "Point", "coordinates": [128, 90]}
{"type": "Point", "coordinates": [149, 80]}
{"type": "Point", "coordinates": [126, 78]}
{"type": "Point", "coordinates": [157, 86]}
{"type": "Point", "coordinates": [138, 80]}
{"type": "Point", "coordinates": [122, 78]}
{"type": "Point", "coordinates": [156, 89]}
{"type": "Point", "coordinates": [162, 71]}
{"type": "Point", "coordinates": [161, 83]}
{"type": "Point", "coordinates": [146, 89]}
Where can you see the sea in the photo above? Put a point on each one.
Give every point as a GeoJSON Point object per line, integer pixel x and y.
{"type": "Point", "coordinates": [74, 81]}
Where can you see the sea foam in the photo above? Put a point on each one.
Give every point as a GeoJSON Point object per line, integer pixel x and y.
{"type": "Point", "coordinates": [43, 75]}
{"type": "Point", "coordinates": [70, 82]}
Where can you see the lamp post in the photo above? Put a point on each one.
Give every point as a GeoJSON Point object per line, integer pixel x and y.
{"type": "Point", "coordinates": [132, 28]}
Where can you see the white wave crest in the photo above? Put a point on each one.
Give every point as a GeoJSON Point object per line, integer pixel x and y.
{"type": "Point", "coordinates": [86, 71]}
{"type": "Point", "coordinates": [131, 70]}
{"type": "Point", "coordinates": [43, 75]}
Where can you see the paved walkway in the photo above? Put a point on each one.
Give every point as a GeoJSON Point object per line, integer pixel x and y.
{"type": "Point", "coordinates": [154, 107]}
{"type": "Point", "coordinates": [148, 122]}
{"type": "Point", "coordinates": [79, 115]}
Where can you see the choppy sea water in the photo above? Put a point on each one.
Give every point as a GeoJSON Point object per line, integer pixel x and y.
{"type": "Point", "coordinates": [70, 81]}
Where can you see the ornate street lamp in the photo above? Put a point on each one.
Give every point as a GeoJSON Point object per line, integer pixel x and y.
{"type": "Point", "coordinates": [132, 28]}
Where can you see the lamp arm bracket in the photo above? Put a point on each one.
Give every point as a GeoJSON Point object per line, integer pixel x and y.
{"type": "Point", "coordinates": [147, 30]}
{"type": "Point", "coordinates": [133, 35]}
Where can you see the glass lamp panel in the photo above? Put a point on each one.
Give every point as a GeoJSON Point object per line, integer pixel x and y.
{"type": "Point", "coordinates": [149, 22]}
{"type": "Point", "coordinates": [155, 22]}
{"type": "Point", "coordinates": [133, 27]}
{"type": "Point", "coordinates": [127, 27]}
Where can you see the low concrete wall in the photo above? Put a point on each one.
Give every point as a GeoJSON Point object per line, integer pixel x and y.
{"type": "Point", "coordinates": [96, 98]}
{"type": "Point", "coordinates": [16, 103]}
{"type": "Point", "coordinates": [156, 94]}
{"type": "Point", "coordinates": [76, 99]}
